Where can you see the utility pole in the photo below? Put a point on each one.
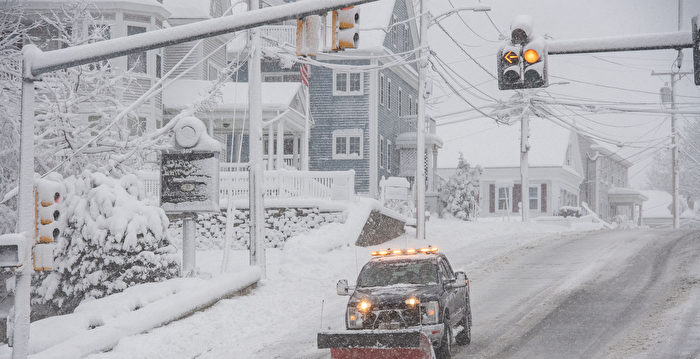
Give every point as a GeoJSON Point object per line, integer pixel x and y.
{"type": "Point", "coordinates": [256, 174]}
{"type": "Point", "coordinates": [675, 175]}
{"type": "Point", "coordinates": [420, 124]}
{"type": "Point", "coordinates": [524, 164]}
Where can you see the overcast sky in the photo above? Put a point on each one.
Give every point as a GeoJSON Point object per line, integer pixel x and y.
{"type": "Point", "coordinates": [561, 20]}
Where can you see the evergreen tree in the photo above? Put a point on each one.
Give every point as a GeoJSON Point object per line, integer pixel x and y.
{"type": "Point", "coordinates": [460, 194]}
{"type": "Point", "coordinates": [111, 240]}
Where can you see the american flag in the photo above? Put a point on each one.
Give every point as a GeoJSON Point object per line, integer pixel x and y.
{"type": "Point", "coordinates": [304, 72]}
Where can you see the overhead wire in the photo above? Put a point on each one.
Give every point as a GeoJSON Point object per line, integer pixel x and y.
{"type": "Point", "coordinates": [442, 64]}
{"type": "Point", "coordinates": [469, 27]}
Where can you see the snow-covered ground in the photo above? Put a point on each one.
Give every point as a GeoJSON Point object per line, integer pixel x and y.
{"type": "Point", "coordinates": [281, 317]}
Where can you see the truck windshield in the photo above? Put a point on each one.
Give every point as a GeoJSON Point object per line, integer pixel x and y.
{"type": "Point", "coordinates": [380, 274]}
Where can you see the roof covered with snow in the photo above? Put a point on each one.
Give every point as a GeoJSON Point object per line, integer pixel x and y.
{"type": "Point", "coordinates": [149, 5]}
{"type": "Point", "coordinates": [492, 145]}
{"type": "Point", "coordinates": [658, 204]}
{"type": "Point", "coordinates": [276, 95]}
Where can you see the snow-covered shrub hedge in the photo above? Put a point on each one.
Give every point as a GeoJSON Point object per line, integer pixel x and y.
{"type": "Point", "coordinates": [569, 211]}
{"type": "Point", "coordinates": [460, 194]}
{"type": "Point", "coordinates": [111, 240]}
{"type": "Point", "coordinates": [280, 224]}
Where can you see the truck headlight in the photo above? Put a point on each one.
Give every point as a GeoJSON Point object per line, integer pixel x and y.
{"type": "Point", "coordinates": [429, 312]}
{"type": "Point", "coordinates": [354, 318]}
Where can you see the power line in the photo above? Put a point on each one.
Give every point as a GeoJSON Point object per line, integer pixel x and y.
{"type": "Point", "coordinates": [448, 67]}
{"type": "Point", "coordinates": [464, 51]}
{"type": "Point", "coordinates": [469, 27]}
{"type": "Point", "coordinates": [616, 87]}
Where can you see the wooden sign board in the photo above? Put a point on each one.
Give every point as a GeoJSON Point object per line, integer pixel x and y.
{"type": "Point", "coordinates": [189, 182]}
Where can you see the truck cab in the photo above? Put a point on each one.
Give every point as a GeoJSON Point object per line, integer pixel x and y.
{"type": "Point", "coordinates": [411, 289]}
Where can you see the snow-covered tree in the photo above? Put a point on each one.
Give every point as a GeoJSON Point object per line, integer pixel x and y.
{"type": "Point", "coordinates": [659, 177]}
{"type": "Point", "coordinates": [460, 194]}
{"type": "Point", "coordinates": [112, 240]}
{"type": "Point", "coordinates": [13, 32]}
{"type": "Point", "coordinates": [75, 104]}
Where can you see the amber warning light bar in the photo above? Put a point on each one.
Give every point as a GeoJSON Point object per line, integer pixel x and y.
{"type": "Point", "coordinates": [389, 251]}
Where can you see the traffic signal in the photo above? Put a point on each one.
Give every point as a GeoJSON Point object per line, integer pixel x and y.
{"type": "Point", "coordinates": [308, 35]}
{"type": "Point", "coordinates": [48, 222]}
{"type": "Point", "coordinates": [346, 28]}
{"type": "Point", "coordinates": [522, 61]}
{"type": "Point", "coordinates": [696, 48]}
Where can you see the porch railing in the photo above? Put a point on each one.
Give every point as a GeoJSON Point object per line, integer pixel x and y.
{"type": "Point", "coordinates": [336, 185]}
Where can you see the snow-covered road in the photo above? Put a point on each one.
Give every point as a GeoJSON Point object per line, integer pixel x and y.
{"type": "Point", "coordinates": [537, 291]}
{"type": "Point", "coordinates": [613, 294]}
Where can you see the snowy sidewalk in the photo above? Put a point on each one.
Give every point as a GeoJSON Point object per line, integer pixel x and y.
{"type": "Point", "coordinates": [99, 325]}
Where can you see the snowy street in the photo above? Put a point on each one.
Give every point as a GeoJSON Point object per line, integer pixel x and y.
{"type": "Point", "coordinates": [536, 291]}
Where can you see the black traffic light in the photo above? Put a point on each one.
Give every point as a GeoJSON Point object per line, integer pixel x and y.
{"type": "Point", "coordinates": [696, 48]}
{"type": "Point", "coordinates": [522, 61]}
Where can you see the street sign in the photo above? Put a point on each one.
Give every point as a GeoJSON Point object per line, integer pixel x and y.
{"type": "Point", "coordinates": [189, 182]}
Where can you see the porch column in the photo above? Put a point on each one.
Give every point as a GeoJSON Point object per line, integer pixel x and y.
{"type": "Point", "coordinates": [295, 152]}
{"type": "Point", "coordinates": [270, 147]}
{"type": "Point", "coordinates": [640, 214]}
{"type": "Point", "coordinates": [280, 145]}
{"type": "Point", "coordinates": [431, 169]}
{"type": "Point", "coordinates": [210, 126]}
{"type": "Point", "coordinates": [305, 147]}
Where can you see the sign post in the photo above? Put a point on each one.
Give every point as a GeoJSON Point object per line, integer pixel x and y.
{"type": "Point", "coordinates": [189, 178]}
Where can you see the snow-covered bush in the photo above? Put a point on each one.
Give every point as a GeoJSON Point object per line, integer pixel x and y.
{"type": "Point", "coordinates": [460, 194]}
{"type": "Point", "coordinates": [280, 225]}
{"type": "Point", "coordinates": [569, 211]}
{"type": "Point", "coordinates": [111, 240]}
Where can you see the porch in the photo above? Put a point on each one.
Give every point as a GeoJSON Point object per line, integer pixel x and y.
{"type": "Point", "coordinates": [278, 184]}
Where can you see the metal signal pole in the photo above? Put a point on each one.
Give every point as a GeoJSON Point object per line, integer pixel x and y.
{"type": "Point", "coordinates": [256, 208]}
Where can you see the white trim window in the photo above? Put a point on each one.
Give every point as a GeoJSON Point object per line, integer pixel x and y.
{"type": "Point", "coordinates": [347, 83]}
{"type": "Point", "coordinates": [388, 93]}
{"type": "Point", "coordinates": [388, 156]}
{"type": "Point", "coordinates": [410, 105]}
{"type": "Point", "coordinates": [416, 109]}
{"type": "Point", "coordinates": [503, 199]}
{"type": "Point", "coordinates": [400, 99]}
{"type": "Point", "coordinates": [381, 89]}
{"type": "Point", "coordinates": [347, 144]}
{"type": "Point", "coordinates": [137, 62]}
{"type": "Point", "coordinates": [534, 197]}
{"type": "Point", "coordinates": [382, 154]}
{"type": "Point", "coordinates": [406, 44]}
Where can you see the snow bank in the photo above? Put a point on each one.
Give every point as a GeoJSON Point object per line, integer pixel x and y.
{"type": "Point", "coordinates": [100, 324]}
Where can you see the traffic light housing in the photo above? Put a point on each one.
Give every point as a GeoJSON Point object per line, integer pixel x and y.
{"type": "Point", "coordinates": [522, 60]}
{"type": "Point", "coordinates": [346, 28]}
{"type": "Point", "coordinates": [696, 48]}
{"type": "Point", "coordinates": [48, 222]}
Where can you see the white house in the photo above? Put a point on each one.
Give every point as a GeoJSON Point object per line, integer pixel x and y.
{"type": "Point", "coordinates": [555, 168]}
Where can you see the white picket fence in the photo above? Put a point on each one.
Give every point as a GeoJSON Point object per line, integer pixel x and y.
{"type": "Point", "coordinates": [280, 184]}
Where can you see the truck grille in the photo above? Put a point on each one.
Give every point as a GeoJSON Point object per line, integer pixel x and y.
{"type": "Point", "coordinates": [392, 318]}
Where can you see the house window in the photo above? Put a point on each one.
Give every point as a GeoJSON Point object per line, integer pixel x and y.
{"type": "Point", "coordinates": [388, 94]}
{"type": "Point", "coordinates": [159, 66]}
{"type": "Point", "coordinates": [347, 144]}
{"type": "Point", "coordinates": [534, 197]}
{"type": "Point", "coordinates": [381, 89]}
{"type": "Point", "coordinates": [137, 126]}
{"type": "Point", "coordinates": [416, 108]}
{"type": "Point", "coordinates": [382, 154]}
{"type": "Point", "coordinates": [406, 44]}
{"type": "Point", "coordinates": [212, 73]}
{"type": "Point", "coordinates": [347, 83]}
{"type": "Point", "coordinates": [410, 105]}
{"type": "Point", "coordinates": [503, 198]}
{"type": "Point", "coordinates": [400, 101]}
{"type": "Point", "coordinates": [388, 156]}
{"type": "Point", "coordinates": [136, 61]}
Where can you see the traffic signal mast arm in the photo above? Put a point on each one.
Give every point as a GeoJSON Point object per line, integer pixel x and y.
{"type": "Point", "coordinates": [43, 62]}
{"type": "Point", "coordinates": [669, 40]}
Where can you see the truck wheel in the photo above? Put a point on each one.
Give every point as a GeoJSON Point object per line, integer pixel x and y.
{"type": "Point", "coordinates": [465, 336]}
{"type": "Point", "coordinates": [444, 351]}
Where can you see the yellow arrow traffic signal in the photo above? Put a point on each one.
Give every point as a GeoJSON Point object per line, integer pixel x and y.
{"type": "Point", "coordinates": [511, 57]}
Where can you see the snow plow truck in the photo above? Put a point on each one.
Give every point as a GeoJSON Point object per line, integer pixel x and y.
{"type": "Point", "coordinates": [408, 304]}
